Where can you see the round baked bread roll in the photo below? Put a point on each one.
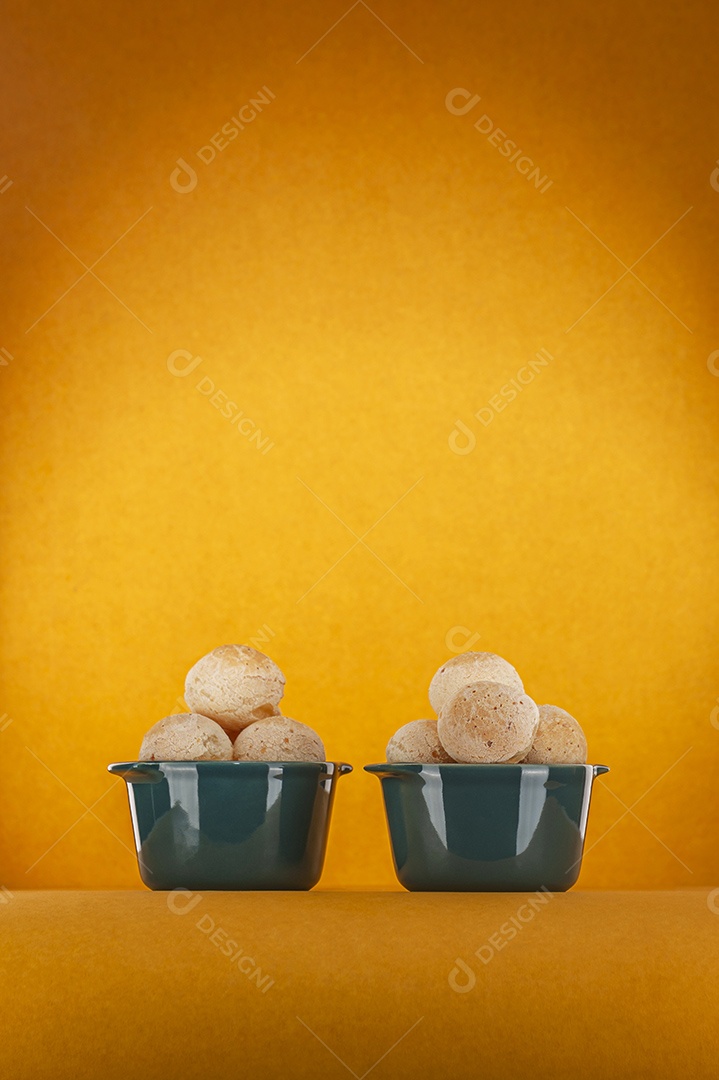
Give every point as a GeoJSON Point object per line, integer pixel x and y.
{"type": "Point", "coordinates": [488, 723]}
{"type": "Point", "coordinates": [235, 685]}
{"type": "Point", "coordinates": [186, 737]}
{"type": "Point", "coordinates": [417, 741]}
{"type": "Point", "coordinates": [278, 738]}
{"type": "Point", "coordinates": [468, 668]}
{"type": "Point", "coordinates": [558, 740]}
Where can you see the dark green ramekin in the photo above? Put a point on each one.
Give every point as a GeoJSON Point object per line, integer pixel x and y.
{"type": "Point", "coordinates": [487, 828]}
{"type": "Point", "coordinates": [230, 824]}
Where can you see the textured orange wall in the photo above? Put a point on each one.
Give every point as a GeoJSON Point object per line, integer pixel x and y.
{"type": "Point", "coordinates": [359, 269]}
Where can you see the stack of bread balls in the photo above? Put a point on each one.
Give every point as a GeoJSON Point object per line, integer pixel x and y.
{"type": "Point", "coordinates": [485, 717]}
{"type": "Point", "coordinates": [234, 693]}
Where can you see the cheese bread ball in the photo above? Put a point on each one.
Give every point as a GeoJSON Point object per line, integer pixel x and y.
{"type": "Point", "coordinates": [417, 741]}
{"type": "Point", "coordinates": [488, 723]}
{"type": "Point", "coordinates": [559, 740]}
{"type": "Point", "coordinates": [235, 685]}
{"type": "Point", "coordinates": [186, 737]}
{"type": "Point", "coordinates": [278, 739]}
{"type": "Point", "coordinates": [468, 668]}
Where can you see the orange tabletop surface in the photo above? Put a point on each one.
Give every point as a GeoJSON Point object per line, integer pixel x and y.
{"type": "Point", "coordinates": [140, 984]}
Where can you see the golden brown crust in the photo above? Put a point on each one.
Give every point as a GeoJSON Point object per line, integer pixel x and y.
{"type": "Point", "coordinates": [278, 739]}
{"type": "Point", "coordinates": [488, 723]}
{"type": "Point", "coordinates": [417, 741]}
{"type": "Point", "coordinates": [559, 739]}
{"type": "Point", "coordinates": [467, 668]}
{"type": "Point", "coordinates": [235, 685]}
{"type": "Point", "coordinates": [186, 737]}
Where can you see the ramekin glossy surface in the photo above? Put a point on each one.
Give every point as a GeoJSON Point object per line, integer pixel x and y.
{"type": "Point", "coordinates": [230, 824]}
{"type": "Point", "coordinates": [487, 828]}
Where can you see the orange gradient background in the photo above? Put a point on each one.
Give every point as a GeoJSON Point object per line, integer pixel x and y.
{"type": "Point", "coordinates": [359, 269]}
